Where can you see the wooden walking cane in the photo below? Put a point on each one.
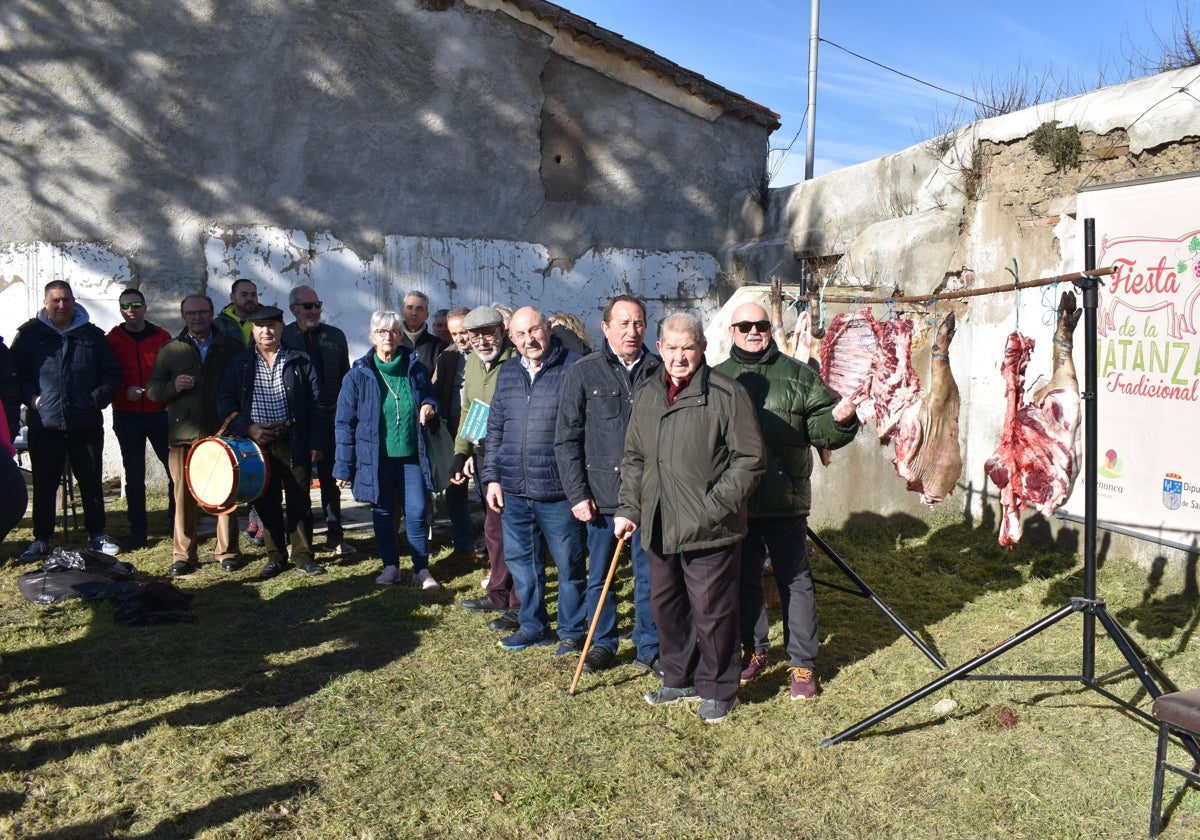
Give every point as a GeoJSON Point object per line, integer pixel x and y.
{"type": "Point", "coordinates": [587, 643]}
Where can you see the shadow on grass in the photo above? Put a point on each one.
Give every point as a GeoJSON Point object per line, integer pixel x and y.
{"type": "Point", "coordinates": [922, 575]}
{"type": "Point", "coordinates": [252, 647]}
{"type": "Point", "coordinates": [218, 812]}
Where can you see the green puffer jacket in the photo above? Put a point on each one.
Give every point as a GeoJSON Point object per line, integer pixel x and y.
{"type": "Point", "coordinates": [694, 463]}
{"type": "Point", "coordinates": [795, 412]}
{"type": "Point", "coordinates": [192, 414]}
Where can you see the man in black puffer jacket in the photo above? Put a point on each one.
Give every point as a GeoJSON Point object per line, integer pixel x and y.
{"type": "Point", "coordinates": [523, 485]}
{"type": "Point", "coordinates": [68, 374]}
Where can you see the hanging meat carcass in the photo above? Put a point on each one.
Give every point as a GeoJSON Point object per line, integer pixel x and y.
{"type": "Point", "coordinates": [848, 355]}
{"type": "Point", "coordinates": [895, 388]}
{"type": "Point", "coordinates": [1038, 458]}
{"type": "Point", "coordinates": [928, 453]}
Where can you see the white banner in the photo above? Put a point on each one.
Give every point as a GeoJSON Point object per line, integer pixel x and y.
{"type": "Point", "coordinates": [1148, 358]}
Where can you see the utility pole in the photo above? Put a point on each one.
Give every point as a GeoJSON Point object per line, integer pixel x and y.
{"type": "Point", "coordinates": [813, 40]}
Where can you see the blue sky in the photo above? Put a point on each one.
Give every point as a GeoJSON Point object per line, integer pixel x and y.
{"type": "Point", "coordinates": [759, 48]}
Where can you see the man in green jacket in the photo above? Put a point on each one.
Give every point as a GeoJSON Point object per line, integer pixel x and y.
{"type": "Point", "coordinates": [796, 413]}
{"type": "Point", "coordinates": [187, 374]}
{"type": "Point", "coordinates": [490, 348]}
{"type": "Point", "coordinates": [693, 456]}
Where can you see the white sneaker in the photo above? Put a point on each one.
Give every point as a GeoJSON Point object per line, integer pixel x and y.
{"type": "Point", "coordinates": [101, 543]}
{"type": "Point", "coordinates": [425, 580]}
{"type": "Point", "coordinates": [483, 584]}
{"type": "Point", "coordinates": [390, 575]}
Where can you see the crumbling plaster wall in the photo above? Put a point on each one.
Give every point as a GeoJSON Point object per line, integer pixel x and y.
{"type": "Point", "coordinates": [363, 147]}
{"type": "Point", "coordinates": [964, 213]}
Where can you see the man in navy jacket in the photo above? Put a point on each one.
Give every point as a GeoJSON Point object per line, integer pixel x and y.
{"type": "Point", "coordinates": [68, 374]}
{"type": "Point", "coordinates": [277, 400]}
{"type": "Point", "coordinates": [521, 476]}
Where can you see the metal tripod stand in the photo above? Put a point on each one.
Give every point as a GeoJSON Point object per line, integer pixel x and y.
{"type": "Point", "coordinates": [1089, 605]}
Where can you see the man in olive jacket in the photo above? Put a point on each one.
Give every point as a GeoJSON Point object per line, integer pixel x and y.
{"type": "Point", "coordinates": [187, 375]}
{"type": "Point", "coordinates": [490, 349]}
{"type": "Point", "coordinates": [693, 456]}
{"type": "Point", "coordinates": [796, 413]}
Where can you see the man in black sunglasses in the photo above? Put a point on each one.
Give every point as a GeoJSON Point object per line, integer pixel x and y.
{"type": "Point", "coordinates": [796, 412]}
{"type": "Point", "coordinates": [137, 419]}
{"type": "Point", "coordinates": [326, 346]}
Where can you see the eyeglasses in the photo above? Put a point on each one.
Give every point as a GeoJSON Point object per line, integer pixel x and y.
{"type": "Point", "coordinates": [196, 313]}
{"type": "Point", "coordinates": [381, 333]}
{"type": "Point", "coordinates": [133, 304]}
{"type": "Point", "coordinates": [746, 326]}
{"type": "Point", "coordinates": [310, 305]}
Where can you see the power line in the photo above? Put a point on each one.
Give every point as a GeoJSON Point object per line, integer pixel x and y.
{"type": "Point", "coordinates": [905, 75]}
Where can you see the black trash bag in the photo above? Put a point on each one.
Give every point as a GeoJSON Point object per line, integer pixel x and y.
{"type": "Point", "coordinates": [156, 602]}
{"type": "Point", "coordinates": [84, 574]}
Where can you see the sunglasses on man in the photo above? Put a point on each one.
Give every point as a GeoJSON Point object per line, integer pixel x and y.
{"type": "Point", "coordinates": [310, 305]}
{"type": "Point", "coordinates": [133, 304]}
{"type": "Point", "coordinates": [745, 326]}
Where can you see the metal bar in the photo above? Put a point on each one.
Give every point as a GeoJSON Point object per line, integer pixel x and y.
{"type": "Point", "coordinates": [868, 592]}
{"type": "Point", "coordinates": [966, 668]}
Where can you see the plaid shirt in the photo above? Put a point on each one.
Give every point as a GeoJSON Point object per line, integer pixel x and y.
{"type": "Point", "coordinates": [269, 402]}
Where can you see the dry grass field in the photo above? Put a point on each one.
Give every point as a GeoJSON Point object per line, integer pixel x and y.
{"type": "Point", "coordinates": [330, 707]}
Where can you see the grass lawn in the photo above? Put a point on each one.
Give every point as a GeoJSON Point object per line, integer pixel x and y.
{"type": "Point", "coordinates": [330, 707]}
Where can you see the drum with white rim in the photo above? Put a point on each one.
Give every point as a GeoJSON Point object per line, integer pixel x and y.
{"type": "Point", "coordinates": [223, 472]}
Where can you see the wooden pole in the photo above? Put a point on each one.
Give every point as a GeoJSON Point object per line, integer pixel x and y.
{"type": "Point", "coordinates": [587, 643]}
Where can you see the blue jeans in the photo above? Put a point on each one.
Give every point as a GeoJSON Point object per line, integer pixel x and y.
{"type": "Point", "coordinates": [133, 429]}
{"type": "Point", "coordinates": [401, 477]}
{"type": "Point", "coordinates": [601, 544]}
{"type": "Point", "coordinates": [526, 522]}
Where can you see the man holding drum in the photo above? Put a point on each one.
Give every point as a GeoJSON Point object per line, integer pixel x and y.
{"type": "Point", "coordinates": [271, 395]}
{"type": "Point", "coordinates": [187, 374]}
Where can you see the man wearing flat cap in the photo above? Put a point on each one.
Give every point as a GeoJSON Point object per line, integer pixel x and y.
{"type": "Point", "coordinates": [489, 349]}
{"type": "Point", "coordinates": [274, 398]}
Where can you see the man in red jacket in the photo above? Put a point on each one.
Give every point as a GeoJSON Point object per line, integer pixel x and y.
{"type": "Point", "coordinates": [136, 418]}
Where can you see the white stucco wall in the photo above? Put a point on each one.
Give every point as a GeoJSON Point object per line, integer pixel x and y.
{"type": "Point", "coordinates": [467, 272]}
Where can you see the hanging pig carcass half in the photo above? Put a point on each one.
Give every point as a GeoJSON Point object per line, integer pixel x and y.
{"type": "Point", "coordinates": [1038, 458]}
{"type": "Point", "coordinates": [928, 453]}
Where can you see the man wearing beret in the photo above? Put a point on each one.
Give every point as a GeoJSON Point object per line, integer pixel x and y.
{"type": "Point", "coordinates": [490, 348]}
{"type": "Point", "coordinates": [275, 398]}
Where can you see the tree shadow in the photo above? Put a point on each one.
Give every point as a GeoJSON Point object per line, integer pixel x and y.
{"type": "Point", "coordinates": [219, 811]}
{"type": "Point", "coordinates": [322, 631]}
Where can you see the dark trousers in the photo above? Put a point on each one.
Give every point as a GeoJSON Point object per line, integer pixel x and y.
{"type": "Point", "coordinates": [458, 508]}
{"type": "Point", "coordinates": [331, 499]}
{"type": "Point", "coordinates": [500, 583]}
{"type": "Point", "coordinates": [288, 485]}
{"type": "Point", "coordinates": [14, 498]}
{"type": "Point", "coordinates": [134, 429]}
{"type": "Point", "coordinates": [48, 451]}
{"type": "Point", "coordinates": [786, 539]}
{"type": "Point", "coordinates": [694, 598]}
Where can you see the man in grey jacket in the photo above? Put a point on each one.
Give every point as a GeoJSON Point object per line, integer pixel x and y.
{"type": "Point", "coordinates": [693, 456]}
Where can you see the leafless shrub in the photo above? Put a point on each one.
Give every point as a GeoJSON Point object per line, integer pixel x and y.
{"type": "Point", "coordinates": [1181, 48]}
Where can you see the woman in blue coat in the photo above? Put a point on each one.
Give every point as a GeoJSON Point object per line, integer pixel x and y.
{"type": "Point", "coordinates": [385, 401]}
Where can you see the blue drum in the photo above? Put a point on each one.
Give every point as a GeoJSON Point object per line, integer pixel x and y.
{"type": "Point", "coordinates": [223, 472]}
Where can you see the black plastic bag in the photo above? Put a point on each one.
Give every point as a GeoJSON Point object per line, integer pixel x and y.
{"type": "Point", "coordinates": [84, 574]}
